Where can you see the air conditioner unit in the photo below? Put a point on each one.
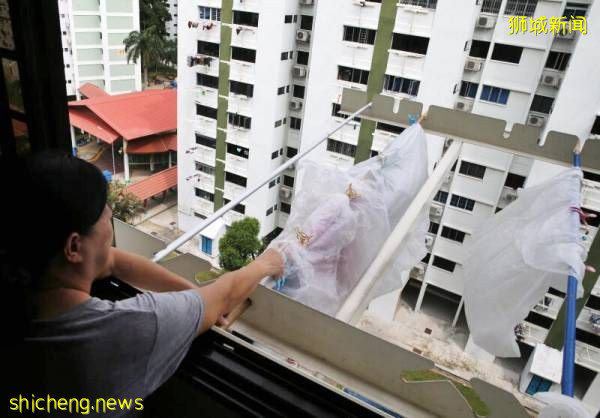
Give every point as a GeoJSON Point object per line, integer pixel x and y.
{"type": "Point", "coordinates": [306, 2]}
{"type": "Point", "coordinates": [565, 35]}
{"type": "Point", "coordinates": [486, 22]}
{"type": "Point", "coordinates": [511, 194]}
{"type": "Point", "coordinates": [535, 120]}
{"type": "Point", "coordinates": [285, 193]}
{"type": "Point", "coordinates": [303, 35]}
{"type": "Point", "coordinates": [552, 80]}
{"type": "Point", "coordinates": [464, 106]}
{"type": "Point", "coordinates": [435, 211]}
{"type": "Point", "coordinates": [472, 65]}
{"type": "Point", "coordinates": [299, 71]}
{"type": "Point", "coordinates": [429, 241]}
{"type": "Point", "coordinates": [295, 104]}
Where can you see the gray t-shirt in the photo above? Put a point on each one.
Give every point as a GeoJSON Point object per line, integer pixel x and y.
{"type": "Point", "coordinates": [123, 349]}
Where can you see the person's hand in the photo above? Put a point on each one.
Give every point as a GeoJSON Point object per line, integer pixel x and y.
{"type": "Point", "coordinates": [272, 261]}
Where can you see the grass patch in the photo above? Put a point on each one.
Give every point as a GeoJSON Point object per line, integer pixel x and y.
{"type": "Point", "coordinates": [206, 276]}
{"type": "Point", "coordinates": [479, 407]}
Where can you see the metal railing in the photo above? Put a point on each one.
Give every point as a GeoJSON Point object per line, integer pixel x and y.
{"type": "Point", "coordinates": [249, 192]}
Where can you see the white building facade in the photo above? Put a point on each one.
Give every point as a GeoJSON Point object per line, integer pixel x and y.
{"type": "Point", "coordinates": [172, 25]}
{"type": "Point", "coordinates": [263, 81]}
{"type": "Point", "coordinates": [93, 52]}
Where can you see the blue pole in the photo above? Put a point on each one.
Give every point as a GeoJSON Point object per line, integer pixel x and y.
{"type": "Point", "coordinates": [568, 367]}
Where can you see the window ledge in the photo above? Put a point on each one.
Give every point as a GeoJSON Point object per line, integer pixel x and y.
{"type": "Point", "coordinates": [405, 53]}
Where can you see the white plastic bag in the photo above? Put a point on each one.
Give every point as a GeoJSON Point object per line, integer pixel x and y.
{"type": "Point", "coordinates": [561, 406]}
{"type": "Point", "coordinates": [340, 219]}
{"type": "Point", "coordinates": [516, 255]}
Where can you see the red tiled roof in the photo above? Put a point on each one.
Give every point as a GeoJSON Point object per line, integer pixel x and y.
{"type": "Point", "coordinates": [135, 115]}
{"type": "Point", "coordinates": [87, 121]}
{"type": "Point", "coordinates": [153, 144]}
{"type": "Point", "coordinates": [155, 184]}
{"type": "Point", "coordinates": [90, 91]}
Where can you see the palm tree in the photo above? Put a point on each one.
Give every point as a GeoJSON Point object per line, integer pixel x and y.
{"type": "Point", "coordinates": [149, 45]}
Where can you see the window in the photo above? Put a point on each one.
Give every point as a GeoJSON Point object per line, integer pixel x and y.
{"type": "Point", "coordinates": [453, 234]}
{"type": "Point", "coordinates": [298, 91]}
{"type": "Point", "coordinates": [462, 202]}
{"type": "Point", "coordinates": [306, 22]}
{"type": "Point", "coordinates": [274, 154]}
{"type": "Point", "coordinates": [269, 211]}
{"type": "Point", "coordinates": [491, 6]}
{"type": "Point", "coordinates": [596, 126]}
{"type": "Point", "coordinates": [207, 80]}
{"type": "Point", "coordinates": [472, 169]}
{"type": "Point", "coordinates": [278, 123]}
{"type": "Point", "coordinates": [359, 35]}
{"type": "Point", "coordinates": [401, 85]}
{"type": "Point", "coordinates": [272, 183]}
{"type": "Point", "coordinates": [285, 207]}
{"type": "Point", "coordinates": [295, 123]}
{"type": "Point", "coordinates": [443, 263]}
{"type": "Point", "coordinates": [206, 141]}
{"type": "Point", "coordinates": [479, 49]}
{"type": "Point", "coordinates": [243, 54]}
{"type": "Point", "coordinates": [291, 54]}
{"type": "Point", "coordinates": [237, 87]}
{"type": "Point", "coordinates": [240, 121]}
{"type": "Point", "coordinates": [287, 88]}
{"type": "Point", "coordinates": [208, 48]}
{"type": "Point", "coordinates": [281, 90]}
{"type": "Point", "coordinates": [558, 60]}
{"type": "Point", "coordinates": [428, 4]}
{"type": "Point", "coordinates": [426, 258]}
{"type": "Point", "coordinates": [507, 53]}
{"type": "Point", "coordinates": [433, 227]}
{"type": "Point", "coordinates": [209, 112]}
{"type": "Point", "coordinates": [542, 104]}
{"type": "Point", "coordinates": [287, 19]}
{"type": "Point", "coordinates": [284, 56]}
{"type": "Point", "coordinates": [410, 43]}
{"type": "Point", "coordinates": [288, 181]}
{"type": "Point", "coordinates": [494, 94]}
{"type": "Point", "coordinates": [341, 147]}
{"type": "Point", "coordinates": [335, 111]}
{"type": "Point", "coordinates": [239, 208]}
{"type": "Point", "coordinates": [238, 150]}
{"type": "Point", "coordinates": [441, 196]}
{"type": "Point", "coordinates": [390, 128]}
{"type": "Point", "coordinates": [199, 215]}
{"type": "Point", "coordinates": [205, 168]}
{"type": "Point", "coordinates": [206, 245]}
{"type": "Point", "coordinates": [203, 194]}
{"type": "Point", "coordinates": [295, 18]}
{"type": "Point", "coordinates": [245, 18]}
{"type": "Point", "coordinates": [235, 179]}
{"type": "Point", "coordinates": [468, 89]}
{"type": "Point", "coordinates": [209, 13]}
{"type": "Point", "coordinates": [291, 152]}
{"type": "Point", "coordinates": [514, 181]}
{"type": "Point", "coordinates": [374, 153]}
{"type": "Point", "coordinates": [574, 9]}
{"type": "Point", "coordinates": [353, 75]}
{"type": "Point", "coordinates": [520, 7]}
{"type": "Point", "coordinates": [302, 57]}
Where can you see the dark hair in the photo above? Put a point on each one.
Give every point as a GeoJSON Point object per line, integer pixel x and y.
{"type": "Point", "coordinates": [47, 196]}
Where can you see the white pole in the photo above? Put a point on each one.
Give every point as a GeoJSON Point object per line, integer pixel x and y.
{"type": "Point", "coordinates": [193, 232]}
{"type": "Point", "coordinates": [357, 301]}
{"type": "Point", "coordinates": [125, 160]}
{"type": "Point", "coordinates": [112, 149]}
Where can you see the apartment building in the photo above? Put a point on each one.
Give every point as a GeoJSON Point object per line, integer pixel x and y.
{"type": "Point", "coordinates": [264, 80]}
{"type": "Point", "coordinates": [93, 52]}
{"type": "Point", "coordinates": [172, 25]}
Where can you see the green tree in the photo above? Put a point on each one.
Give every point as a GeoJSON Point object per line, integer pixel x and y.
{"type": "Point", "coordinates": [154, 13]}
{"type": "Point", "coordinates": [240, 244]}
{"type": "Point", "coordinates": [124, 205]}
{"type": "Point", "coordinates": [149, 45]}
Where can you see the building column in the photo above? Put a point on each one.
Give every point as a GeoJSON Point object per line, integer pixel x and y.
{"type": "Point", "coordinates": [458, 311]}
{"type": "Point", "coordinates": [125, 161]}
{"type": "Point", "coordinates": [421, 296]}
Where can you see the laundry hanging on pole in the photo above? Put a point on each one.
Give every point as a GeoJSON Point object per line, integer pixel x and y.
{"type": "Point", "coordinates": [341, 218]}
{"type": "Point", "coordinates": [516, 255]}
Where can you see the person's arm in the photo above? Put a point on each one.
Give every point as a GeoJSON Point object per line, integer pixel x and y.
{"type": "Point", "coordinates": [232, 288]}
{"type": "Point", "coordinates": [144, 274]}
